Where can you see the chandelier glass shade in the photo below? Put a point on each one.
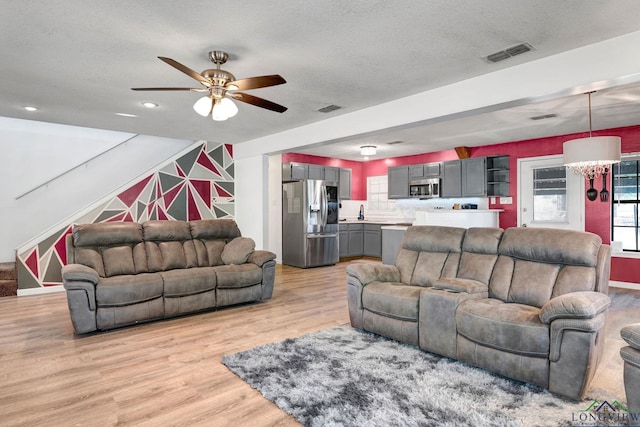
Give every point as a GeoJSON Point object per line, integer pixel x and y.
{"type": "Point", "coordinates": [222, 109]}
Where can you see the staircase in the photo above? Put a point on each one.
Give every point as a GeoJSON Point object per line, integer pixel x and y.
{"type": "Point", "coordinates": [8, 279]}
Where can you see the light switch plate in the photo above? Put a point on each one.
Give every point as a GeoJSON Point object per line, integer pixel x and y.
{"type": "Point", "coordinates": [506, 200]}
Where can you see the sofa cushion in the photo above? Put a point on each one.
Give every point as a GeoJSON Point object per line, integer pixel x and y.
{"type": "Point", "coordinates": [568, 247]}
{"type": "Point", "coordinates": [118, 260]}
{"type": "Point", "coordinates": [237, 276]}
{"type": "Point", "coordinates": [214, 229]}
{"type": "Point", "coordinates": [214, 251]}
{"type": "Point", "coordinates": [159, 230]}
{"type": "Point", "coordinates": [237, 251]}
{"type": "Point", "coordinates": [514, 328]}
{"type": "Point", "coordinates": [106, 234]}
{"type": "Point", "coordinates": [190, 281]}
{"type": "Point", "coordinates": [128, 289]}
{"type": "Point", "coordinates": [390, 299]}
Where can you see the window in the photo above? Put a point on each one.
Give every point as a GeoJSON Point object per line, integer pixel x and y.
{"type": "Point", "coordinates": [626, 200]}
{"type": "Point", "coordinates": [377, 194]}
{"type": "Point", "coordinates": [550, 194]}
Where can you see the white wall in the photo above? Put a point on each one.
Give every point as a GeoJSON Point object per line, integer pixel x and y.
{"type": "Point", "coordinates": [587, 68]}
{"type": "Point", "coordinates": [35, 152]}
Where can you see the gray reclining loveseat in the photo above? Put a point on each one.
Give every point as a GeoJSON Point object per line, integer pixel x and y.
{"type": "Point", "coordinates": [526, 303]}
{"type": "Point", "coordinates": [122, 273]}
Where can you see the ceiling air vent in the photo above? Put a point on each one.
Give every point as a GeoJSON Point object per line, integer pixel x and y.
{"type": "Point", "coordinates": [510, 52]}
{"type": "Point", "coordinates": [394, 142]}
{"type": "Point", "coordinates": [544, 116]}
{"type": "Point", "coordinates": [329, 108]}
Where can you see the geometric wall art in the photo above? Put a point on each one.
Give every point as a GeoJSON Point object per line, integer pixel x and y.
{"type": "Point", "coordinates": [197, 185]}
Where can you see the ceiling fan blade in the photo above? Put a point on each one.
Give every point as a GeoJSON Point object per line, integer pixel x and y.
{"type": "Point", "coordinates": [188, 71]}
{"type": "Point", "coordinates": [258, 102]}
{"type": "Point", "coordinates": [257, 82]}
{"type": "Point", "coordinates": [192, 89]}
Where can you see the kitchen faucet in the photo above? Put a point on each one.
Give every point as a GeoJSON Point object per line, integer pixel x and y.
{"type": "Point", "coordinates": [361, 214]}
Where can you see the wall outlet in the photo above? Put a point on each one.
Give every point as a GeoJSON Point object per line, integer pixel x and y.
{"type": "Point", "coordinates": [492, 200]}
{"type": "Point", "coordinates": [506, 200]}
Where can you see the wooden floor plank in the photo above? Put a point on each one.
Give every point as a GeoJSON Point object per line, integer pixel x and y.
{"type": "Point", "coordinates": [169, 372]}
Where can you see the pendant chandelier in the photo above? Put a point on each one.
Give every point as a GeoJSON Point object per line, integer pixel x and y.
{"type": "Point", "coordinates": [592, 157]}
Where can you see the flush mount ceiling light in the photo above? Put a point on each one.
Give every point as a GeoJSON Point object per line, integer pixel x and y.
{"type": "Point", "coordinates": [221, 87]}
{"type": "Point", "coordinates": [149, 104]}
{"type": "Point", "coordinates": [368, 150]}
{"type": "Point", "coordinates": [29, 108]}
{"type": "Point", "coordinates": [592, 157]}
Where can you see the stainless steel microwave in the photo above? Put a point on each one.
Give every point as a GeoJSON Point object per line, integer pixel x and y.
{"type": "Point", "coordinates": [427, 188]}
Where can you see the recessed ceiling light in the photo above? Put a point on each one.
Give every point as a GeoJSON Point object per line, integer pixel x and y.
{"type": "Point", "coordinates": [126, 115]}
{"type": "Point", "coordinates": [31, 108]}
{"type": "Point", "coordinates": [149, 104]}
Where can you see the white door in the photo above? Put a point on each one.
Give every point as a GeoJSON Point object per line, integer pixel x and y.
{"type": "Point", "coordinates": [549, 195]}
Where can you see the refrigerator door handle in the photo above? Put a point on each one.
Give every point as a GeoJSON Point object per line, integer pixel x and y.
{"type": "Point", "coordinates": [321, 236]}
{"type": "Point", "coordinates": [325, 204]}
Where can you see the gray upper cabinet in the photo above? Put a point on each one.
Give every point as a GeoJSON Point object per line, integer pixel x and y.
{"type": "Point", "coordinates": [416, 171]}
{"type": "Point", "coordinates": [398, 182]}
{"type": "Point", "coordinates": [316, 171]}
{"type": "Point", "coordinates": [431, 170]}
{"type": "Point", "coordinates": [344, 189]}
{"type": "Point", "coordinates": [464, 178]}
{"type": "Point", "coordinates": [474, 177]}
{"type": "Point", "coordinates": [428, 170]}
{"type": "Point", "coordinates": [331, 174]}
{"type": "Point", "coordinates": [295, 171]}
{"type": "Point", "coordinates": [451, 179]}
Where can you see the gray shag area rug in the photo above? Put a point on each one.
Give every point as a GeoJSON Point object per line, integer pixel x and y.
{"type": "Point", "coordinates": [346, 377]}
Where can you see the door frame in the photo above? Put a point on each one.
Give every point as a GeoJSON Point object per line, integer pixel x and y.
{"type": "Point", "coordinates": [578, 199]}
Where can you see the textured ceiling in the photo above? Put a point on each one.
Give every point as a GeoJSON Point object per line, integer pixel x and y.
{"type": "Point", "coordinates": [77, 60]}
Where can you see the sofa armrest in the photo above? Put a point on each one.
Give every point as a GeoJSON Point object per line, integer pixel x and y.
{"type": "Point", "coordinates": [259, 257]}
{"type": "Point", "coordinates": [74, 273]}
{"type": "Point", "coordinates": [466, 286]}
{"type": "Point", "coordinates": [631, 334]}
{"type": "Point", "coordinates": [367, 273]}
{"type": "Point", "coordinates": [574, 305]}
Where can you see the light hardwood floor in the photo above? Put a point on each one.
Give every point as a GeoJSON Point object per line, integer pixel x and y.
{"type": "Point", "coordinates": [169, 372]}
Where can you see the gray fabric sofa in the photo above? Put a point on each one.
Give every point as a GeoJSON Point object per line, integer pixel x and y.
{"type": "Point", "coordinates": [631, 356]}
{"type": "Point", "coordinates": [122, 273]}
{"type": "Point", "coordinates": [529, 304]}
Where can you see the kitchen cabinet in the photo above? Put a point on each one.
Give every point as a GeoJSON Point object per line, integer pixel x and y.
{"type": "Point", "coordinates": [344, 189]}
{"type": "Point", "coordinates": [356, 239]}
{"type": "Point", "coordinates": [474, 177]}
{"type": "Point", "coordinates": [372, 240]}
{"type": "Point", "coordinates": [398, 182]}
{"type": "Point", "coordinates": [331, 174]}
{"type": "Point", "coordinates": [294, 171]}
{"type": "Point", "coordinates": [428, 170]}
{"type": "Point", "coordinates": [343, 240]}
{"type": "Point", "coordinates": [451, 179]}
{"type": "Point", "coordinates": [498, 176]}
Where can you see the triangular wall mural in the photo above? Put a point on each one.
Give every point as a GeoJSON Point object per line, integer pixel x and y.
{"type": "Point", "coordinates": [197, 185]}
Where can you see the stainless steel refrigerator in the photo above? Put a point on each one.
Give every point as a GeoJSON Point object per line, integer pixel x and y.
{"type": "Point", "coordinates": [309, 223]}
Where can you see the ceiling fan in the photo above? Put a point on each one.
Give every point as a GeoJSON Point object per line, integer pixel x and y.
{"type": "Point", "coordinates": [221, 86]}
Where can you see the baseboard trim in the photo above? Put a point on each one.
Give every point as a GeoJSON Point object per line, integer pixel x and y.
{"type": "Point", "coordinates": [41, 290]}
{"type": "Point", "coordinates": [624, 285]}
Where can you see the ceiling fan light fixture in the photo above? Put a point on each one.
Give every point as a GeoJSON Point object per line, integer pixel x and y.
{"type": "Point", "coordinates": [368, 150]}
{"type": "Point", "coordinates": [224, 109]}
{"type": "Point", "coordinates": [203, 106]}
